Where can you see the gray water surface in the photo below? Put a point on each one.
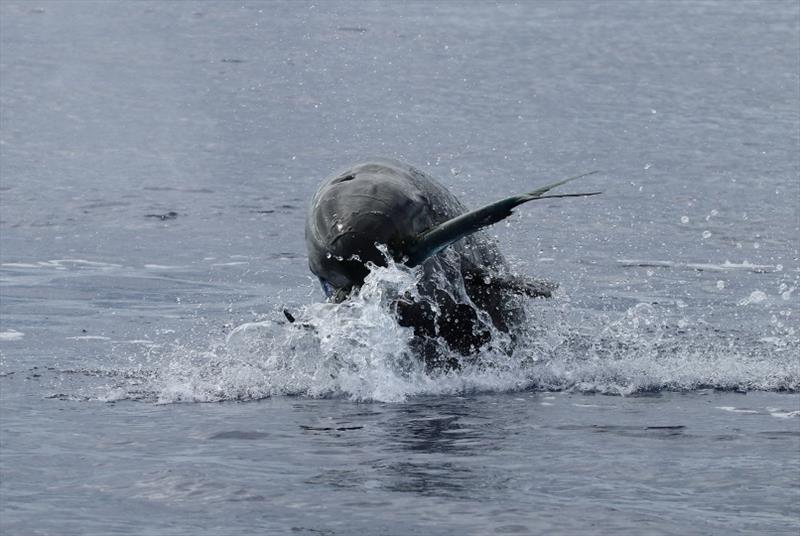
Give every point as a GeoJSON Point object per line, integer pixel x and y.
{"type": "Point", "coordinates": [156, 161]}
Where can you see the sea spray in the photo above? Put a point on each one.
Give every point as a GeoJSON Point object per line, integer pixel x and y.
{"type": "Point", "coordinates": [357, 350]}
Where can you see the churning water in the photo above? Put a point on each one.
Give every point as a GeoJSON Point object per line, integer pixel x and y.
{"type": "Point", "coordinates": [157, 161]}
{"type": "Point", "coordinates": [358, 351]}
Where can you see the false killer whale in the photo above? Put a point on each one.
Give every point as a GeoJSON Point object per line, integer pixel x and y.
{"type": "Point", "coordinates": [383, 206]}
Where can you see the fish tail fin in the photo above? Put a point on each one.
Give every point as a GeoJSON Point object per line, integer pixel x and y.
{"type": "Point", "coordinates": [434, 240]}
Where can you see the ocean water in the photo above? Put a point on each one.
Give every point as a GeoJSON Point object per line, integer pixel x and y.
{"type": "Point", "coordinates": [156, 162]}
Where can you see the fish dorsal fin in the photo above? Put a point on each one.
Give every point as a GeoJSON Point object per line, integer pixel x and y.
{"type": "Point", "coordinates": [434, 240]}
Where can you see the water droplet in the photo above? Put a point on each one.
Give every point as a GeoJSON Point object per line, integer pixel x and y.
{"type": "Point", "coordinates": [684, 219]}
{"type": "Point", "coordinates": [720, 284]}
{"type": "Point", "coordinates": [756, 296]}
{"type": "Point", "coordinates": [706, 234]}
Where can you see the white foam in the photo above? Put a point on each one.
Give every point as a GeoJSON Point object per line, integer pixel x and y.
{"type": "Point", "coordinates": [233, 263]}
{"type": "Point", "coordinates": [783, 413]}
{"type": "Point", "coordinates": [63, 263]}
{"type": "Point", "coordinates": [733, 409]}
{"type": "Point", "coordinates": [703, 267]}
{"type": "Point", "coordinates": [161, 267]}
{"type": "Point", "coordinates": [89, 338]}
{"type": "Point", "coordinates": [114, 395]}
{"type": "Point", "coordinates": [142, 342]}
{"type": "Point", "coordinates": [757, 296]}
{"type": "Point", "coordinates": [11, 335]}
{"type": "Point", "coordinates": [787, 294]}
{"type": "Point", "coordinates": [357, 350]}
{"type": "Point", "coordinates": [19, 265]}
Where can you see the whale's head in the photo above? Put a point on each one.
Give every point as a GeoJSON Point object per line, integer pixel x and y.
{"type": "Point", "coordinates": [351, 217]}
{"type": "Point", "coordinates": [356, 212]}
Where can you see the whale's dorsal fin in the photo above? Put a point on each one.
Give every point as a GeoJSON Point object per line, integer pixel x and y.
{"type": "Point", "coordinates": [434, 240]}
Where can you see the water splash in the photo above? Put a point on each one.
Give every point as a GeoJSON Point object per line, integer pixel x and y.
{"type": "Point", "coordinates": [358, 350]}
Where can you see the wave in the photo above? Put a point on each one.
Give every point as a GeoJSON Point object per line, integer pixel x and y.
{"type": "Point", "coordinates": [357, 350]}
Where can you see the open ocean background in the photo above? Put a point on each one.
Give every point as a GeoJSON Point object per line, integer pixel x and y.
{"type": "Point", "coordinates": [156, 162]}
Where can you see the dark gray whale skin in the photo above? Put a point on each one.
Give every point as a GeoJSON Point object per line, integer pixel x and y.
{"type": "Point", "coordinates": [465, 288]}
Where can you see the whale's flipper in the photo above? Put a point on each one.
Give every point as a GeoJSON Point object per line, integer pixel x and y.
{"type": "Point", "coordinates": [438, 238]}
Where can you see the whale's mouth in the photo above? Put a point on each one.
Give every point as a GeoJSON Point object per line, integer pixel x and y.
{"type": "Point", "coordinates": [351, 257]}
